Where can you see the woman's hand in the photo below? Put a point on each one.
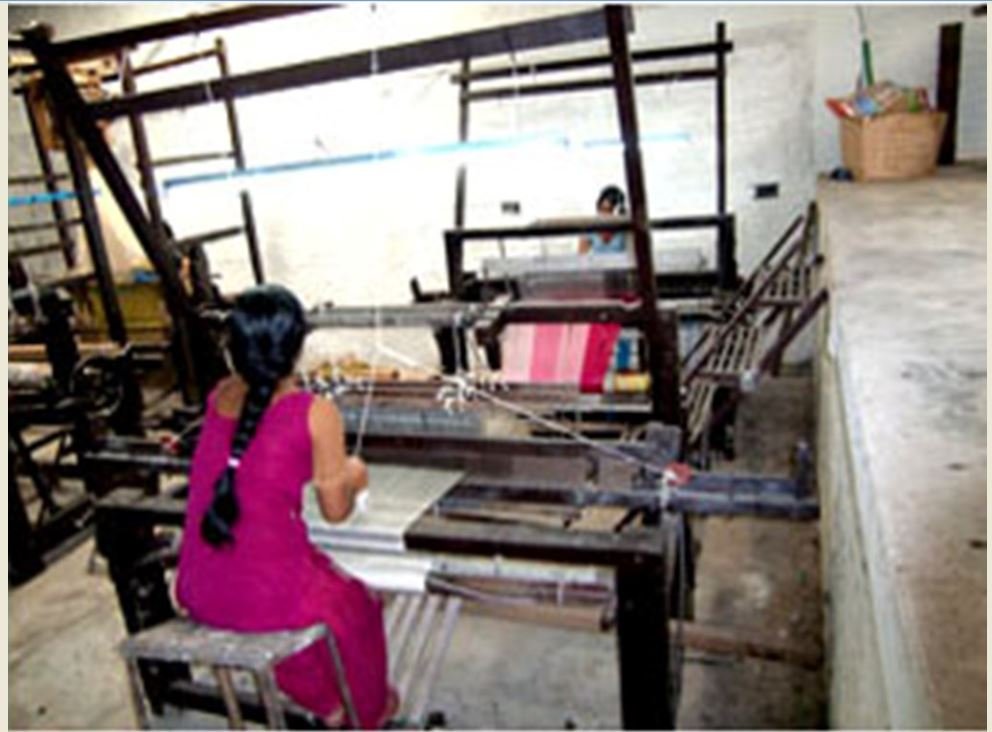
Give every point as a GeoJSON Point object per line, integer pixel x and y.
{"type": "Point", "coordinates": [357, 473]}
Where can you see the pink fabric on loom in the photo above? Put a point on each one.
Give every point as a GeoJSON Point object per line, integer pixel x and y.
{"type": "Point", "coordinates": [548, 339]}
{"type": "Point", "coordinates": [599, 351]}
{"type": "Point", "coordinates": [552, 353]}
{"type": "Point", "coordinates": [518, 346]}
{"type": "Point", "coordinates": [573, 352]}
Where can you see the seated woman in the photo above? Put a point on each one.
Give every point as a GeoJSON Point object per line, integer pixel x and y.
{"type": "Point", "coordinates": [246, 563]}
{"type": "Point", "coordinates": [611, 202]}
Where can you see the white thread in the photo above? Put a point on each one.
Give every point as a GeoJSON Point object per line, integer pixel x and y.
{"type": "Point", "coordinates": [377, 308]}
{"type": "Point", "coordinates": [233, 462]}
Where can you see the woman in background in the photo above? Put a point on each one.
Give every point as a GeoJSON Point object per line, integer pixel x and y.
{"type": "Point", "coordinates": [611, 202]}
{"type": "Point", "coordinates": [246, 563]}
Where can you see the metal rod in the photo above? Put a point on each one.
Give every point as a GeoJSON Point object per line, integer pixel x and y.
{"type": "Point", "coordinates": [269, 693]}
{"type": "Point", "coordinates": [342, 676]}
{"type": "Point", "coordinates": [560, 87]}
{"type": "Point", "coordinates": [555, 495]}
{"type": "Point", "coordinates": [446, 49]}
{"type": "Point", "coordinates": [234, 718]}
{"type": "Point", "coordinates": [237, 148]}
{"type": "Point", "coordinates": [764, 505]}
{"type": "Point", "coordinates": [490, 319]}
{"type": "Point", "coordinates": [135, 686]}
{"type": "Point", "coordinates": [658, 54]}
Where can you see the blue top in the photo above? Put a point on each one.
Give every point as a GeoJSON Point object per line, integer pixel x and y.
{"type": "Point", "coordinates": [615, 245]}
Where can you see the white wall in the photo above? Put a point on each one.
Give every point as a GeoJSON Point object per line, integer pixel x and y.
{"type": "Point", "coordinates": [357, 234]}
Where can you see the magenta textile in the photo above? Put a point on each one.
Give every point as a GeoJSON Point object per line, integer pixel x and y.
{"type": "Point", "coordinates": [272, 577]}
{"type": "Point", "coordinates": [552, 353]}
{"type": "Point", "coordinates": [599, 352]}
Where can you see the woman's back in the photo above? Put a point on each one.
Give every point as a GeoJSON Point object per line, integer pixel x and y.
{"type": "Point", "coordinates": [258, 581]}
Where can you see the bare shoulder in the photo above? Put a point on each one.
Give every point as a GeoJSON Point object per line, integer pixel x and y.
{"type": "Point", "coordinates": [230, 395]}
{"type": "Point", "coordinates": [323, 415]}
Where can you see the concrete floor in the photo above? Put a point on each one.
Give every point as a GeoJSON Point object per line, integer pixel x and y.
{"type": "Point", "coordinates": [758, 575]}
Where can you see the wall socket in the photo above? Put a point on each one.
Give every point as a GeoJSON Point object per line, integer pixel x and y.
{"type": "Point", "coordinates": [766, 190]}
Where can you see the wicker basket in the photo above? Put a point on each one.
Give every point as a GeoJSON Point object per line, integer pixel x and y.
{"type": "Point", "coordinates": [893, 146]}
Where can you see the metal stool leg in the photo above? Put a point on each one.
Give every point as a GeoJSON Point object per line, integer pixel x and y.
{"type": "Point", "coordinates": [234, 718]}
{"type": "Point", "coordinates": [343, 687]}
{"type": "Point", "coordinates": [136, 687]}
{"type": "Point", "coordinates": [269, 692]}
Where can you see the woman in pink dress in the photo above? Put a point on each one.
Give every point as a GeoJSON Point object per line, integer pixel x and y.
{"type": "Point", "coordinates": [246, 563]}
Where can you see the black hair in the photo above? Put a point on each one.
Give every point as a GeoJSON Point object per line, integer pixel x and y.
{"type": "Point", "coordinates": [266, 329]}
{"type": "Point", "coordinates": [613, 196]}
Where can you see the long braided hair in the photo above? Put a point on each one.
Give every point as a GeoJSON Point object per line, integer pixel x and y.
{"type": "Point", "coordinates": [266, 331]}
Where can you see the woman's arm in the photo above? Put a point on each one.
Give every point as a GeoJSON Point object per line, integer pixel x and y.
{"type": "Point", "coordinates": [337, 478]}
{"type": "Point", "coordinates": [585, 244]}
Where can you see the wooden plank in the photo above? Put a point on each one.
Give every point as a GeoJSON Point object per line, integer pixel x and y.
{"type": "Point", "coordinates": [588, 619]}
{"type": "Point", "coordinates": [751, 642]}
{"type": "Point", "coordinates": [518, 37]}
{"type": "Point", "coordinates": [717, 639]}
{"type": "Point", "coordinates": [432, 533]}
{"type": "Point", "coordinates": [597, 518]}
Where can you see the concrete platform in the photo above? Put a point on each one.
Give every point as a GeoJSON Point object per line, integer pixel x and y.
{"type": "Point", "coordinates": [902, 447]}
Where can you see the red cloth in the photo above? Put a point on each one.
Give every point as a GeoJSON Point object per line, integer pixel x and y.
{"type": "Point", "coordinates": [599, 351]}
{"type": "Point", "coordinates": [272, 578]}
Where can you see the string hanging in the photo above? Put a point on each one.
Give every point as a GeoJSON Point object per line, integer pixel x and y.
{"type": "Point", "coordinates": [376, 305]}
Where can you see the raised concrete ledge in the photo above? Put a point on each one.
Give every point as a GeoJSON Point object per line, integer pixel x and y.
{"type": "Point", "coordinates": [903, 474]}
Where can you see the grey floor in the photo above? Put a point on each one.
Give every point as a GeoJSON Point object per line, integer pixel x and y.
{"type": "Point", "coordinates": [759, 575]}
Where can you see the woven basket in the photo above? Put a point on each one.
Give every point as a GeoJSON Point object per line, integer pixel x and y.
{"type": "Point", "coordinates": [893, 146]}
